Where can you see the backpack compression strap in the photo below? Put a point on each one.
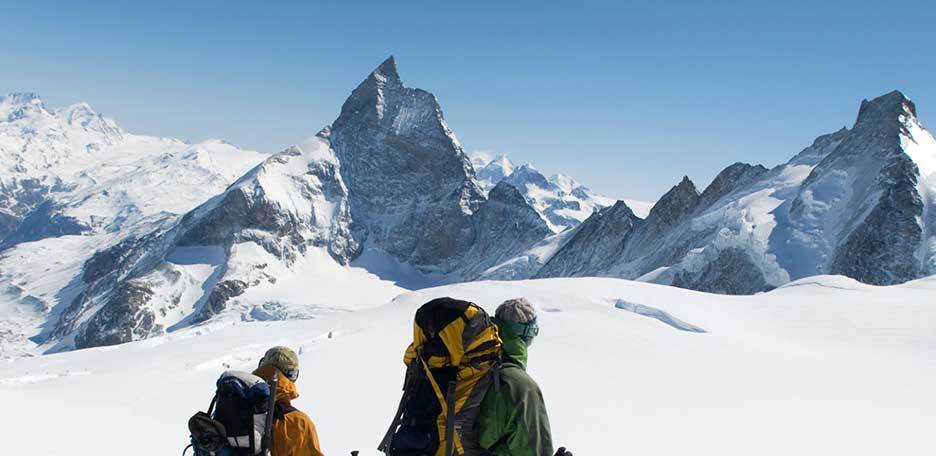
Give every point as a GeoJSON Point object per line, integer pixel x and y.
{"type": "Point", "coordinates": [411, 373]}
{"type": "Point", "coordinates": [450, 420]}
{"type": "Point", "coordinates": [271, 409]}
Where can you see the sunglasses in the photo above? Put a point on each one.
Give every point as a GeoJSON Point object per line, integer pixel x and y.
{"type": "Point", "coordinates": [526, 331]}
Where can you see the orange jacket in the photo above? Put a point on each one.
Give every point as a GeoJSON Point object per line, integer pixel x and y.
{"type": "Point", "coordinates": [294, 434]}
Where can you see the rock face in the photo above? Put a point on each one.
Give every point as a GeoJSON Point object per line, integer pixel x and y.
{"type": "Point", "coordinates": [731, 272]}
{"type": "Point", "coordinates": [293, 200]}
{"type": "Point", "coordinates": [673, 208]}
{"type": "Point", "coordinates": [596, 245]}
{"type": "Point", "coordinates": [873, 204]}
{"type": "Point", "coordinates": [861, 211]}
{"type": "Point", "coordinates": [506, 226]}
{"type": "Point", "coordinates": [730, 179]}
{"type": "Point", "coordinates": [412, 188]}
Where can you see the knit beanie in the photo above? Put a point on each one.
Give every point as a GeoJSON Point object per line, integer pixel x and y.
{"type": "Point", "coordinates": [517, 310]}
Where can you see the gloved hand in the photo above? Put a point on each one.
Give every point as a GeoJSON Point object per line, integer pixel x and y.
{"type": "Point", "coordinates": [562, 451]}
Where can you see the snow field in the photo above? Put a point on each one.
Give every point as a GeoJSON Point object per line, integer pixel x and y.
{"type": "Point", "coordinates": [820, 366]}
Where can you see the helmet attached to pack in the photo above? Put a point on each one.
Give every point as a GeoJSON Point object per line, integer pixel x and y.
{"type": "Point", "coordinates": [283, 359]}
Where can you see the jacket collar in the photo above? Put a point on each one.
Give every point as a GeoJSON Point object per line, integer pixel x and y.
{"type": "Point", "coordinates": [515, 349]}
{"type": "Point", "coordinates": [285, 388]}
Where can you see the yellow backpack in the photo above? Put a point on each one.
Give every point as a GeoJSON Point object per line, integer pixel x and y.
{"type": "Point", "coordinates": [449, 367]}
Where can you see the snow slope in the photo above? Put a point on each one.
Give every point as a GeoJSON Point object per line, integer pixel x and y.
{"type": "Point", "coordinates": [825, 365]}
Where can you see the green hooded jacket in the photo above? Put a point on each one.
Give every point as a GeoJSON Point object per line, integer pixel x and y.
{"type": "Point", "coordinates": [512, 420]}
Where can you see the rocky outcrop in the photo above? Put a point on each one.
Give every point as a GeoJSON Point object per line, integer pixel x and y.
{"type": "Point", "coordinates": [506, 226]}
{"type": "Point", "coordinates": [596, 245]}
{"type": "Point", "coordinates": [673, 207]}
{"type": "Point", "coordinates": [731, 272]}
{"type": "Point", "coordinates": [728, 180]}
{"type": "Point", "coordinates": [859, 211]}
{"type": "Point", "coordinates": [883, 246]}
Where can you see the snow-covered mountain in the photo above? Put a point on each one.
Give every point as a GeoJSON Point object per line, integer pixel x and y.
{"type": "Point", "coordinates": [73, 182]}
{"type": "Point", "coordinates": [388, 176]}
{"type": "Point", "coordinates": [186, 272]}
{"type": "Point", "coordinates": [858, 202]}
{"type": "Point", "coordinates": [112, 237]}
{"type": "Point", "coordinates": [72, 171]}
{"type": "Point", "coordinates": [559, 199]}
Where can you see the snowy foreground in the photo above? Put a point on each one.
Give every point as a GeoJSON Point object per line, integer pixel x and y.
{"type": "Point", "coordinates": [823, 366]}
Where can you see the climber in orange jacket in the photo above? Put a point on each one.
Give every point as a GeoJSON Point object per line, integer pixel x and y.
{"type": "Point", "coordinates": [293, 432]}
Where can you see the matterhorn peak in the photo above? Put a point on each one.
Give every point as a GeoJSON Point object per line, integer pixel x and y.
{"type": "Point", "coordinates": [381, 87]}
{"type": "Point", "coordinates": [387, 70]}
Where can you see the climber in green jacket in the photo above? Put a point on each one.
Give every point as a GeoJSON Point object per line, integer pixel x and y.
{"type": "Point", "coordinates": [512, 420]}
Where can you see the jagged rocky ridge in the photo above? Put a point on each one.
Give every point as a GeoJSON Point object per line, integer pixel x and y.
{"type": "Point", "coordinates": [857, 202]}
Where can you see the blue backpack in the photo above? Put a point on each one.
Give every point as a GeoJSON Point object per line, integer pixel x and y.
{"type": "Point", "coordinates": [239, 419]}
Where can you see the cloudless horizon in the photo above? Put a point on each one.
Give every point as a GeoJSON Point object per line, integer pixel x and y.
{"type": "Point", "coordinates": [625, 97]}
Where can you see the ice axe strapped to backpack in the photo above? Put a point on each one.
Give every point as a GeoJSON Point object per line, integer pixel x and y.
{"type": "Point", "coordinates": [450, 364]}
{"type": "Point", "coordinates": [239, 419]}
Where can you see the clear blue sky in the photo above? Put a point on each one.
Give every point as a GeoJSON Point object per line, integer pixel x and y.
{"type": "Point", "coordinates": [625, 97]}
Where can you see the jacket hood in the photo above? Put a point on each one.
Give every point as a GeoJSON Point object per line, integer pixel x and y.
{"type": "Point", "coordinates": [285, 388]}
{"type": "Point", "coordinates": [514, 347]}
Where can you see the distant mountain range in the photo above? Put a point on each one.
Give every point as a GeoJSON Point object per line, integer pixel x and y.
{"type": "Point", "coordinates": [561, 200]}
{"type": "Point", "coordinates": [107, 237]}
